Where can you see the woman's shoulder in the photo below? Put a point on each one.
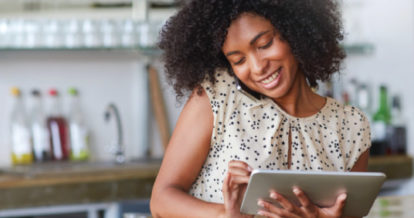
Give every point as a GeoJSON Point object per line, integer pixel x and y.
{"type": "Point", "coordinates": [221, 87]}
{"type": "Point", "coordinates": [347, 113]}
{"type": "Point", "coordinates": [221, 80]}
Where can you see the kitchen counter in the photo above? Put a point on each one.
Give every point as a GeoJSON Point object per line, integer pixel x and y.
{"type": "Point", "coordinates": [393, 206]}
{"type": "Point", "coordinates": [65, 183]}
{"type": "Point", "coordinates": [394, 166]}
{"type": "Point", "coordinates": [61, 183]}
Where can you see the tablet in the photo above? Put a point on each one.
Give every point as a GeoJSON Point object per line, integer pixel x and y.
{"type": "Point", "coordinates": [322, 188]}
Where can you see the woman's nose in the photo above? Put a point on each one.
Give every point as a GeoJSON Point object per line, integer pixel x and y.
{"type": "Point", "coordinates": [258, 64]}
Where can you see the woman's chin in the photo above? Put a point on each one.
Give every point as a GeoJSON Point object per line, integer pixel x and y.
{"type": "Point", "coordinates": [274, 94]}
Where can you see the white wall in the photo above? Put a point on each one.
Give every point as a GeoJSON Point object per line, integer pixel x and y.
{"type": "Point", "coordinates": [101, 77]}
{"type": "Point", "coordinates": [390, 27]}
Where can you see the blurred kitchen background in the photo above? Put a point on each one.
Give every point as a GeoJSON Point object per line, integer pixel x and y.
{"type": "Point", "coordinates": [95, 65]}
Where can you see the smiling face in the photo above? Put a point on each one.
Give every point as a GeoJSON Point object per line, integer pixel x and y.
{"type": "Point", "coordinates": [259, 57]}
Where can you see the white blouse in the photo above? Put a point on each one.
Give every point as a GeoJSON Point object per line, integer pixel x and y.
{"type": "Point", "coordinates": [257, 132]}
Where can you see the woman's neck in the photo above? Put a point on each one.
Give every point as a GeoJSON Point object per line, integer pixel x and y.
{"type": "Point", "coordinates": [301, 101]}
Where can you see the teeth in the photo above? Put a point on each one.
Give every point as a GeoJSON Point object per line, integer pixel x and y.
{"type": "Point", "coordinates": [271, 78]}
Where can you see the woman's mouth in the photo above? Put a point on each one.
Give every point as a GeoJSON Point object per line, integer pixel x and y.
{"type": "Point", "coordinates": [272, 81]}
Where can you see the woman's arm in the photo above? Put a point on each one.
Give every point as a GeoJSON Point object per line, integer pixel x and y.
{"type": "Point", "coordinates": [184, 157]}
{"type": "Point", "coordinates": [362, 162]}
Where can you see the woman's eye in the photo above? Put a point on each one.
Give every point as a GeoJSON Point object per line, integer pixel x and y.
{"type": "Point", "coordinates": [267, 45]}
{"type": "Point", "coordinates": [239, 62]}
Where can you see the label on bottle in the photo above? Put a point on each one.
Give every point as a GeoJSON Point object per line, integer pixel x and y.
{"type": "Point", "coordinates": [21, 140]}
{"type": "Point", "coordinates": [41, 141]}
{"type": "Point", "coordinates": [79, 139]}
{"type": "Point", "coordinates": [363, 99]}
{"type": "Point", "coordinates": [379, 131]}
{"type": "Point", "coordinates": [56, 141]}
{"type": "Point", "coordinates": [399, 140]}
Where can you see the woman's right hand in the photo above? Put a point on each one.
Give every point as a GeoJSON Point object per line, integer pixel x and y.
{"type": "Point", "coordinates": [234, 187]}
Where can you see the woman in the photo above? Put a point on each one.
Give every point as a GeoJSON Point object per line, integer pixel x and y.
{"type": "Point", "coordinates": [250, 66]}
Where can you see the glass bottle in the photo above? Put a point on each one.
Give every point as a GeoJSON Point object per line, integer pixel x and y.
{"type": "Point", "coordinates": [352, 88]}
{"type": "Point", "coordinates": [20, 131]}
{"type": "Point", "coordinates": [57, 126]}
{"type": "Point", "coordinates": [79, 135]}
{"type": "Point", "coordinates": [40, 134]}
{"type": "Point", "coordinates": [398, 139]}
{"type": "Point", "coordinates": [381, 121]}
{"type": "Point", "coordinates": [364, 99]}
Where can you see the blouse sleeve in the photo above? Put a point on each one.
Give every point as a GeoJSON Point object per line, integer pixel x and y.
{"type": "Point", "coordinates": [221, 93]}
{"type": "Point", "coordinates": [360, 136]}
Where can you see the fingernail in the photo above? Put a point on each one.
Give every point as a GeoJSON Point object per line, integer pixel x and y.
{"type": "Point", "coordinates": [249, 169]}
{"type": "Point", "coordinates": [260, 203]}
{"type": "Point", "coordinates": [343, 196]}
{"type": "Point", "coordinates": [261, 213]}
{"type": "Point", "coordinates": [273, 195]}
{"type": "Point", "coordinates": [296, 190]}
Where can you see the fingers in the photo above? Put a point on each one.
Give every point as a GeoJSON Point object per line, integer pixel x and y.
{"type": "Point", "coordinates": [270, 210]}
{"type": "Point", "coordinates": [337, 209]}
{"type": "Point", "coordinates": [231, 198]}
{"type": "Point", "coordinates": [240, 165]}
{"type": "Point", "coordinates": [285, 203]}
{"type": "Point", "coordinates": [225, 188]}
{"type": "Point", "coordinates": [240, 173]}
{"type": "Point", "coordinates": [238, 180]}
{"type": "Point", "coordinates": [307, 206]}
{"type": "Point", "coordinates": [267, 214]}
{"type": "Point", "coordinates": [307, 209]}
{"type": "Point", "coordinates": [303, 199]}
{"type": "Point", "coordinates": [340, 203]}
{"type": "Point", "coordinates": [230, 190]}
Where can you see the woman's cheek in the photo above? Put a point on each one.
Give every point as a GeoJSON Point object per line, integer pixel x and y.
{"type": "Point", "coordinates": [243, 71]}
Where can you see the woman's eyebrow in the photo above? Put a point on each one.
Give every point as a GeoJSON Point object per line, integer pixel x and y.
{"type": "Point", "coordinates": [251, 42]}
{"type": "Point", "coordinates": [258, 36]}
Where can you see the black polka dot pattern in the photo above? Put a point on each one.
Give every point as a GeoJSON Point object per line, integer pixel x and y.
{"type": "Point", "coordinates": [257, 132]}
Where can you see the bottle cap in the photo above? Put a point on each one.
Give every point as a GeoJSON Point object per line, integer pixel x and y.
{"type": "Point", "coordinates": [15, 91]}
{"type": "Point", "coordinates": [53, 92]}
{"type": "Point", "coordinates": [73, 91]}
{"type": "Point", "coordinates": [396, 102]}
{"type": "Point", "coordinates": [36, 92]}
{"type": "Point", "coordinates": [363, 86]}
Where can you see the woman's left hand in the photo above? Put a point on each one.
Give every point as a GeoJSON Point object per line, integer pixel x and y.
{"type": "Point", "coordinates": [307, 208]}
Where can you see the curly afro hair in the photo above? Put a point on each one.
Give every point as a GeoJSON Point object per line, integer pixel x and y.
{"type": "Point", "coordinates": [192, 39]}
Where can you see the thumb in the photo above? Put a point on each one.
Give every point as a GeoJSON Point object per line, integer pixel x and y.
{"type": "Point", "coordinates": [340, 203]}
